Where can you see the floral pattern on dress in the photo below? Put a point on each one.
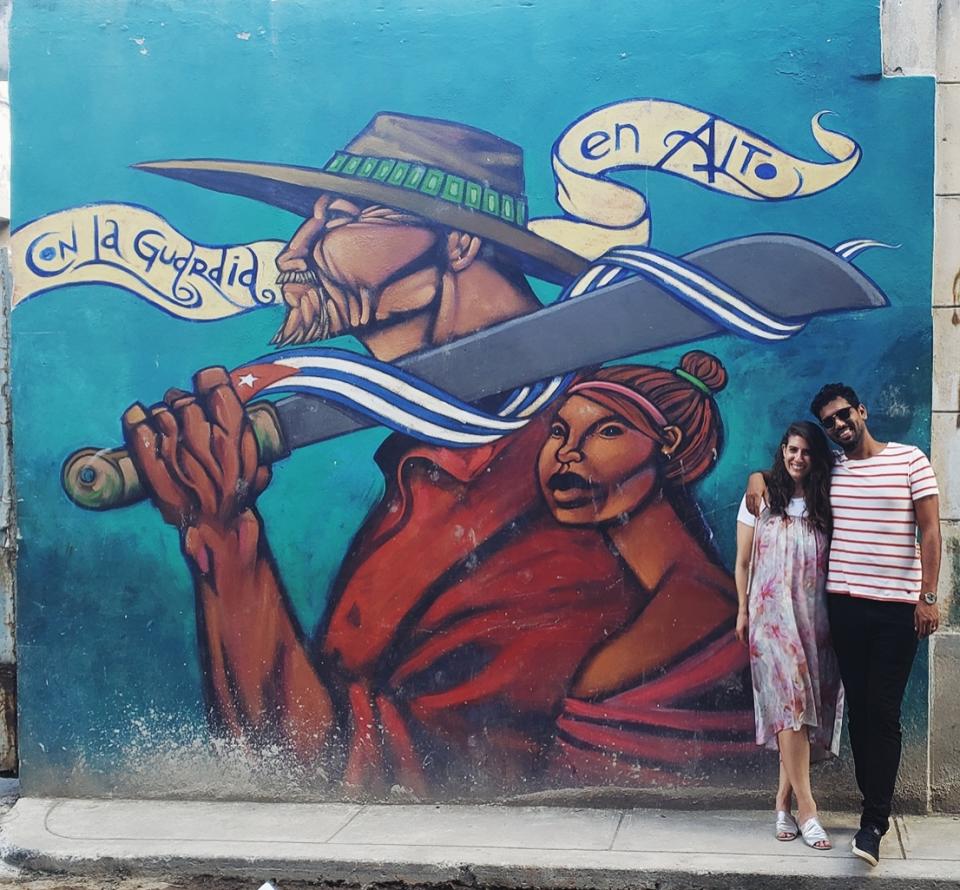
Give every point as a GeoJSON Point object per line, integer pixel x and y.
{"type": "Point", "coordinates": [796, 679]}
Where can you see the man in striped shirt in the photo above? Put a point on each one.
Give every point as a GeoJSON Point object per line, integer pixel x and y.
{"type": "Point", "coordinates": [881, 589]}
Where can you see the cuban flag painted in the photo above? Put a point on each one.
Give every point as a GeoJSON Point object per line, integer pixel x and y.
{"type": "Point", "coordinates": [377, 389]}
{"type": "Point", "coordinates": [405, 403]}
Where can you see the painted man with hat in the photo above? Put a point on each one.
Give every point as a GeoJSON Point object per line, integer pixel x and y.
{"type": "Point", "coordinates": [464, 611]}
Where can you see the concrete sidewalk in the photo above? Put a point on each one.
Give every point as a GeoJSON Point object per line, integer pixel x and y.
{"type": "Point", "coordinates": [495, 846]}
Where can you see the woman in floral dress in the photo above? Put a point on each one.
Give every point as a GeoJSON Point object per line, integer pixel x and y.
{"type": "Point", "coordinates": [781, 573]}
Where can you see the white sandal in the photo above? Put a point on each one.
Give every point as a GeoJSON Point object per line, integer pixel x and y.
{"type": "Point", "coordinates": [787, 825]}
{"type": "Point", "coordinates": [814, 834]}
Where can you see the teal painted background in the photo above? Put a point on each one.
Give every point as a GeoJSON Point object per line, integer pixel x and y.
{"type": "Point", "coordinates": [108, 668]}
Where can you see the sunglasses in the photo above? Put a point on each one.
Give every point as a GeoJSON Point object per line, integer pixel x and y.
{"type": "Point", "coordinates": [843, 416]}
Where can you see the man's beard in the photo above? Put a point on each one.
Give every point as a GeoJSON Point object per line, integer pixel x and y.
{"type": "Point", "coordinates": [308, 320]}
{"type": "Point", "coordinates": [852, 443]}
{"type": "Point", "coordinates": [320, 307]}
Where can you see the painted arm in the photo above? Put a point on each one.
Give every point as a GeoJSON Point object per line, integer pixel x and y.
{"type": "Point", "coordinates": [690, 598]}
{"type": "Point", "coordinates": [927, 618]}
{"type": "Point", "coordinates": [741, 574]}
{"type": "Point", "coordinates": [198, 456]}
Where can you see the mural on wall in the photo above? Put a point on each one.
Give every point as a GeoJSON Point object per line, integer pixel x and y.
{"type": "Point", "coordinates": [535, 595]}
{"type": "Point", "coordinates": [481, 624]}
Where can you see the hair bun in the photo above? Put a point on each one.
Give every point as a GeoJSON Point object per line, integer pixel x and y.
{"type": "Point", "coordinates": [706, 368]}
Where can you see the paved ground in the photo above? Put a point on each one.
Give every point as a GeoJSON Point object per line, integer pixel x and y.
{"type": "Point", "coordinates": [107, 883]}
{"type": "Point", "coordinates": [298, 845]}
{"type": "Point", "coordinates": [64, 883]}
{"type": "Point", "coordinates": [68, 883]}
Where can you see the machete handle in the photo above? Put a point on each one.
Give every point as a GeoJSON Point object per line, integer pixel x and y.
{"type": "Point", "coordinates": [104, 479]}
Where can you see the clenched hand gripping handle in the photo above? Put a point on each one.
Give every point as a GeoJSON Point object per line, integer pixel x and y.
{"type": "Point", "coordinates": [102, 479]}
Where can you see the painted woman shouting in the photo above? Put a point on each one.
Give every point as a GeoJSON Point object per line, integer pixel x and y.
{"type": "Point", "coordinates": [623, 450]}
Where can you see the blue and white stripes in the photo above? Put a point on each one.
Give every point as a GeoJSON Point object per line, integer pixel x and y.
{"type": "Point", "coordinates": [703, 294]}
{"type": "Point", "coordinates": [849, 250]}
{"type": "Point", "coordinates": [402, 402]}
{"type": "Point", "coordinates": [387, 395]}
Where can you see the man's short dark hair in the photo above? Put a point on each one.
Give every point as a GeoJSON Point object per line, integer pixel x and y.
{"type": "Point", "coordinates": [830, 392]}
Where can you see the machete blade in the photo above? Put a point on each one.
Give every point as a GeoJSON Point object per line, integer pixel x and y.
{"type": "Point", "coordinates": [789, 277]}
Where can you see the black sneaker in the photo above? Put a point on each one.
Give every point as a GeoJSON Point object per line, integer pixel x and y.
{"type": "Point", "coordinates": [866, 844]}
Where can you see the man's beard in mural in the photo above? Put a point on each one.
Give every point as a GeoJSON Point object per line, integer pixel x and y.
{"type": "Point", "coordinates": [322, 304]}
{"type": "Point", "coordinates": [308, 309]}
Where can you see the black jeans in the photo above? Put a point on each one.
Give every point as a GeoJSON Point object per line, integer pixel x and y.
{"type": "Point", "coordinates": [875, 644]}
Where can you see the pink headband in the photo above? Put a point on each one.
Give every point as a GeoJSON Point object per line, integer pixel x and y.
{"type": "Point", "coordinates": [648, 407]}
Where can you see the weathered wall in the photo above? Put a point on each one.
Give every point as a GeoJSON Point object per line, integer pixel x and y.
{"type": "Point", "coordinates": [945, 660]}
{"type": "Point", "coordinates": [8, 540]}
{"type": "Point", "coordinates": [8, 533]}
{"type": "Point", "coordinates": [459, 633]}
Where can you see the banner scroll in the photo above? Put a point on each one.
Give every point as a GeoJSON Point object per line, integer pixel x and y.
{"type": "Point", "coordinates": [137, 250]}
{"type": "Point", "coordinates": [655, 134]}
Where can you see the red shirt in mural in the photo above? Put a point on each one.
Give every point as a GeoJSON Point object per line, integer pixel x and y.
{"type": "Point", "coordinates": [461, 622]}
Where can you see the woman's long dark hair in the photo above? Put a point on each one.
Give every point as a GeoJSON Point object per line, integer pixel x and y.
{"type": "Point", "coordinates": [816, 487]}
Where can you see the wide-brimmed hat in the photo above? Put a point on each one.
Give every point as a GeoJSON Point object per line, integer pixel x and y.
{"type": "Point", "coordinates": [455, 175]}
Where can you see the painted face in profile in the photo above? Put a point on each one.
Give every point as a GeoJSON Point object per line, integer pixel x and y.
{"type": "Point", "coordinates": [595, 465]}
{"type": "Point", "coordinates": [341, 269]}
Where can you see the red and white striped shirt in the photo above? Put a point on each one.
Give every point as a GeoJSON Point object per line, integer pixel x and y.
{"type": "Point", "coordinates": [874, 552]}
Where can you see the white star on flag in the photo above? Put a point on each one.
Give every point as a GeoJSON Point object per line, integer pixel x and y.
{"type": "Point", "coordinates": [248, 380]}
